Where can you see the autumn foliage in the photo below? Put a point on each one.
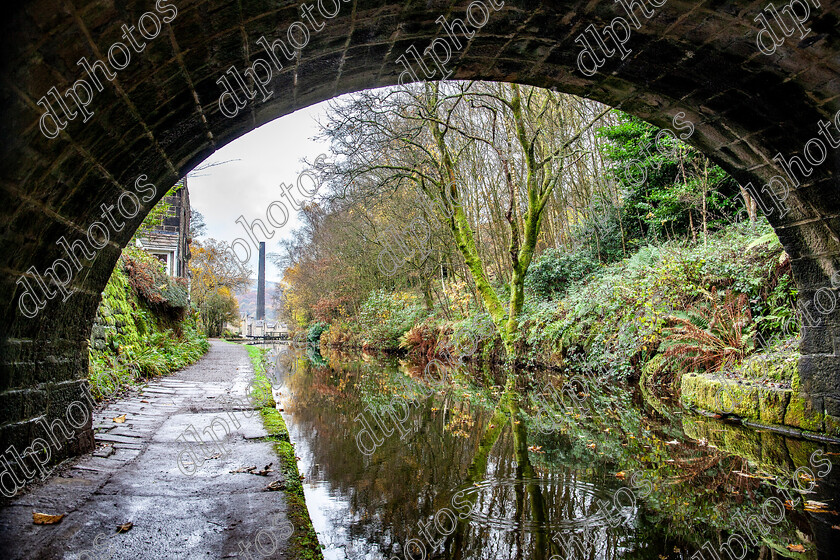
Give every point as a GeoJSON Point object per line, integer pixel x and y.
{"type": "Point", "coordinates": [156, 288]}
{"type": "Point", "coordinates": [715, 334]}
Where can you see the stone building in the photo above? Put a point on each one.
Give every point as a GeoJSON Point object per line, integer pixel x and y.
{"type": "Point", "coordinates": [170, 241]}
{"type": "Point", "coordinates": [253, 327]}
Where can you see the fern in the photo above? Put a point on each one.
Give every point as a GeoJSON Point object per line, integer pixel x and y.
{"type": "Point", "coordinates": [770, 239]}
{"type": "Point", "coordinates": [711, 337]}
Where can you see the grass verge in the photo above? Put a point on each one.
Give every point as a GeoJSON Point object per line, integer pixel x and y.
{"type": "Point", "coordinates": [113, 371]}
{"type": "Point", "coordinates": [303, 544]}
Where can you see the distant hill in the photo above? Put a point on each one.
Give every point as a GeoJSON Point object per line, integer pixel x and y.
{"type": "Point", "coordinates": [248, 300]}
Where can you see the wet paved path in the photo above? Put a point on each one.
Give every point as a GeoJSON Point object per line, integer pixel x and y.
{"type": "Point", "coordinates": [133, 476]}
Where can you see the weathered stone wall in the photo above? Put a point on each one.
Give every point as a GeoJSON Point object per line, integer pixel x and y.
{"type": "Point", "coordinates": [160, 117]}
{"type": "Point", "coordinates": [117, 316]}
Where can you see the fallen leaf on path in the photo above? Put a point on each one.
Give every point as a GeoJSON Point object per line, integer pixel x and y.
{"type": "Point", "coordinates": [276, 485]}
{"type": "Point", "coordinates": [125, 527]}
{"type": "Point", "coordinates": [244, 469]}
{"type": "Point", "coordinates": [119, 419]}
{"type": "Point", "coordinates": [795, 548]}
{"type": "Point", "coordinates": [145, 401]}
{"type": "Point", "coordinates": [46, 518]}
{"type": "Point", "coordinates": [265, 471]}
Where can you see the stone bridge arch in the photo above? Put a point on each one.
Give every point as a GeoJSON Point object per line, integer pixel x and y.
{"type": "Point", "coordinates": [160, 116]}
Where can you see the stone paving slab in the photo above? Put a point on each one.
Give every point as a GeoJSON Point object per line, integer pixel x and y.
{"type": "Point", "coordinates": [133, 476]}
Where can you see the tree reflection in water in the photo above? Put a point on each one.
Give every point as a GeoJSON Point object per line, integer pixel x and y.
{"type": "Point", "coordinates": [532, 494]}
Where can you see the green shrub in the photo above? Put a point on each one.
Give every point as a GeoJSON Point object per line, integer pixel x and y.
{"type": "Point", "coordinates": [553, 272]}
{"type": "Point", "coordinates": [617, 317]}
{"type": "Point", "coordinates": [315, 332]}
{"type": "Point", "coordinates": [384, 317]}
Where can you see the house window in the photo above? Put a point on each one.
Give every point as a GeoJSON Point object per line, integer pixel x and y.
{"type": "Point", "coordinates": [166, 259]}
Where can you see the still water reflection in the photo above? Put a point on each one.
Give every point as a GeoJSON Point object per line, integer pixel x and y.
{"type": "Point", "coordinates": [473, 477]}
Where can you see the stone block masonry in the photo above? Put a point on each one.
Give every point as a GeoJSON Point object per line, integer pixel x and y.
{"type": "Point", "coordinates": [57, 110]}
{"type": "Point", "coordinates": [19, 468]}
{"type": "Point", "coordinates": [36, 291]}
{"type": "Point", "coordinates": [297, 35]}
{"type": "Point", "coordinates": [165, 118]}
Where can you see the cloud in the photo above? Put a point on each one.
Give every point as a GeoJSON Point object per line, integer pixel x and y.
{"type": "Point", "coordinates": [268, 156]}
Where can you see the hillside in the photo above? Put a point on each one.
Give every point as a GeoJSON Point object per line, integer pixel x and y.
{"type": "Point", "coordinates": [248, 299]}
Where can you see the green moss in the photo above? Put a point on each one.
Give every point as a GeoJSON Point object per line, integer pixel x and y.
{"type": "Point", "coordinates": [744, 398]}
{"type": "Point", "coordinates": [780, 365]}
{"type": "Point", "coordinates": [766, 405]}
{"type": "Point", "coordinates": [721, 396]}
{"type": "Point", "coordinates": [832, 425]}
{"type": "Point", "coordinates": [774, 451]}
{"type": "Point", "coordinates": [303, 544]}
{"type": "Point", "coordinates": [753, 399]}
{"type": "Point", "coordinates": [654, 366]}
{"type": "Point", "coordinates": [801, 414]}
{"type": "Point", "coordinates": [130, 342]}
{"type": "Point", "coordinates": [772, 406]}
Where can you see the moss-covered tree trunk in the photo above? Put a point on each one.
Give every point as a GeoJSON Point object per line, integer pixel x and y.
{"type": "Point", "coordinates": [543, 171]}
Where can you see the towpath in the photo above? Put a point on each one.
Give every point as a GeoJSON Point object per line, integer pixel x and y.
{"type": "Point", "coordinates": [133, 477]}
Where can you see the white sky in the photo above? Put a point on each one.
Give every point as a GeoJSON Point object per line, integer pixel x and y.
{"type": "Point", "coordinates": [268, 156]}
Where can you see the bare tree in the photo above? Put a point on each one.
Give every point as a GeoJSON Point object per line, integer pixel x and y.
{"type": "Point", "coordinates": [455, 143]}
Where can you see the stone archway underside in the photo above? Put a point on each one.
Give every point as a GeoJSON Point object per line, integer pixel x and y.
{"type": "Point", "coordinates": [160, 117]}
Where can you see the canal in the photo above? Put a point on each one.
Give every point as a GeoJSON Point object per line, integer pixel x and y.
{"type": "Point", "coordinates": [403, 460]}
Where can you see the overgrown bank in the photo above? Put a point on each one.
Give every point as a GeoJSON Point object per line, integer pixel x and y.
{"type": "Point", "coordinates": [303, 544]}
{"type": "Point", "coordinates": [677, 316]}
{"type": "Point", "coordinates": [143, 328]}
{"type": "Point", "coordinates": [551, 231]}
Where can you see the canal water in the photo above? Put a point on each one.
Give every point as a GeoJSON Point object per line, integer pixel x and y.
{"type": "Point", "coordinates": [406, 462]}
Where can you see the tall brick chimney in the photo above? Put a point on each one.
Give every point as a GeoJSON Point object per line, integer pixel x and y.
{"type": "Point", "coordinates": [261, 284]}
